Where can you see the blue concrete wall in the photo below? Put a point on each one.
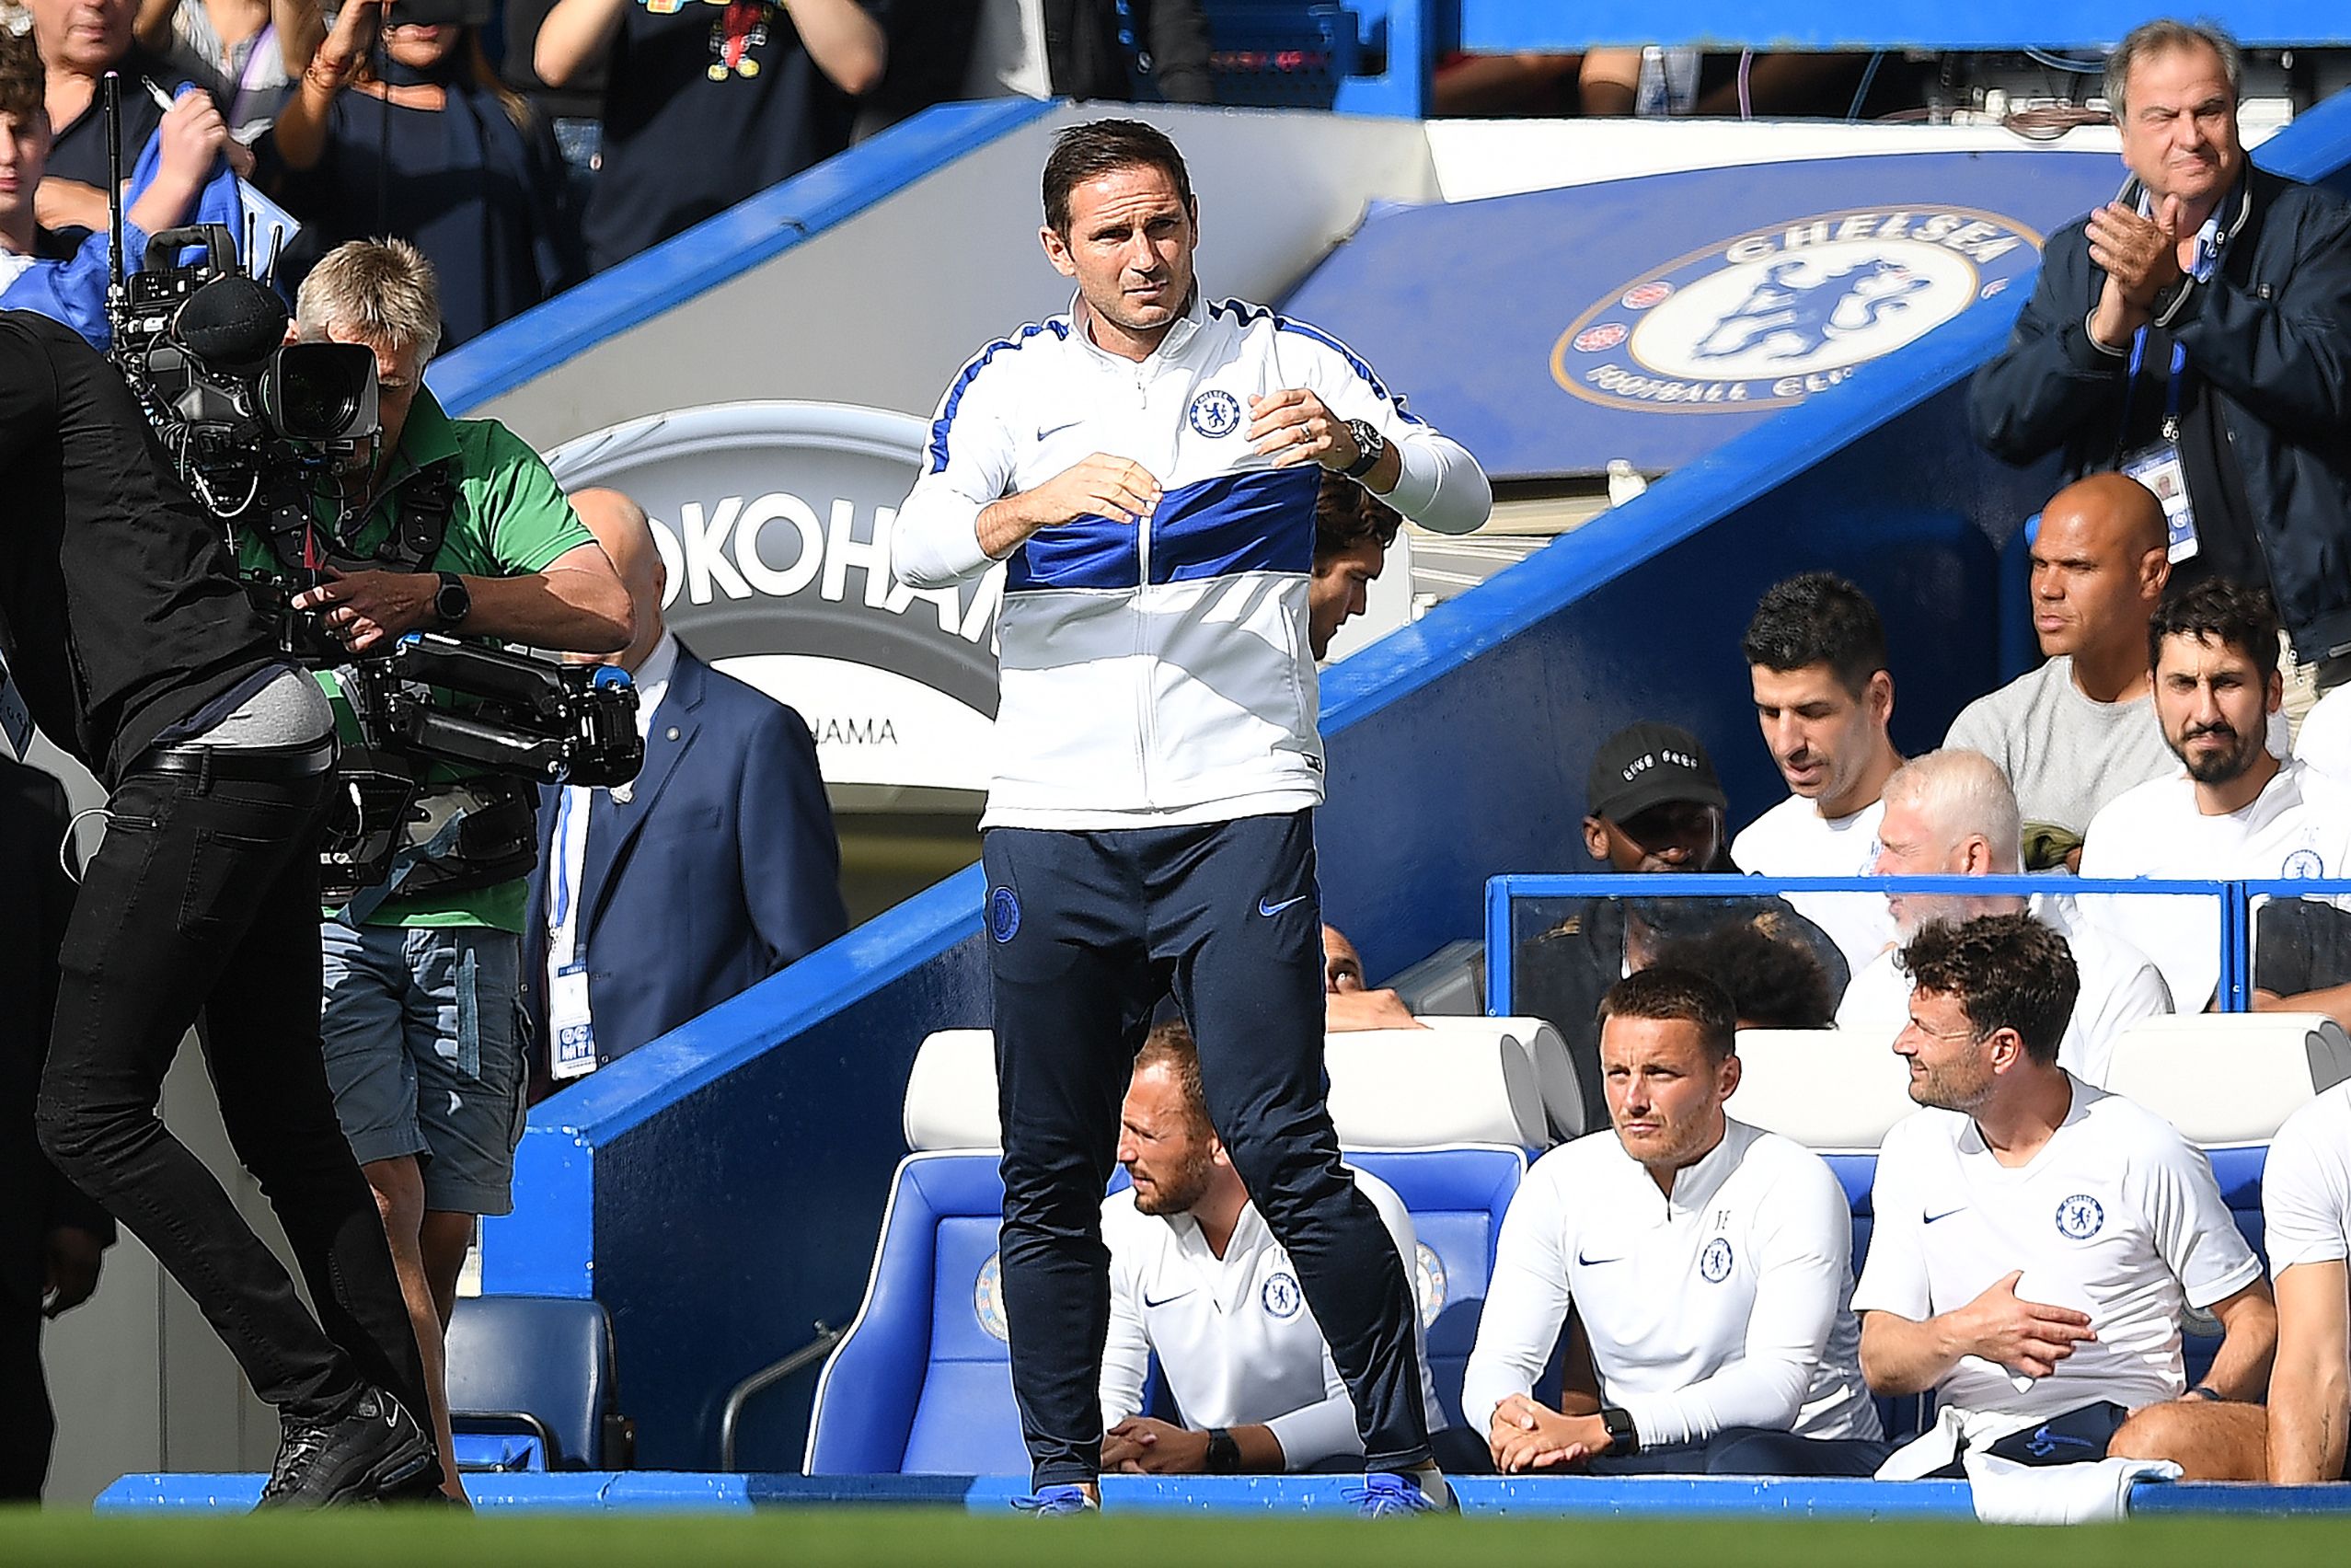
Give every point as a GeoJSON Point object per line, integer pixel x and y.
{"type": "Point", "coordinates": [721, 1189]}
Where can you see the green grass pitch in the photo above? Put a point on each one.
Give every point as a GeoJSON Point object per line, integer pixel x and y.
{"type": "Point", "coordinates": [840, 1538]}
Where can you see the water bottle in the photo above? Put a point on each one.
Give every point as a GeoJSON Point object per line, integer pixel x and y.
{"type": "Point", "coordinates": [1668, 83]}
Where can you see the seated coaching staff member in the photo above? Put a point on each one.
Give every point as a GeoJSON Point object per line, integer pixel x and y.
{"type": "Point", "coordinates": [2306, 1214]}
{"type": "Point", "coordinates": [1708, 1262]}
{"type": "Point", "coordinates": [1147, 467]}
{"type": "Point", "coordinates": [2037, 1238]}
{"type": "Point", "coordinates": [1197, 1277]}
{"type": "Point", "coordinates": [713, 869]}
{"type": "Point", "coordinates": [134, 646]}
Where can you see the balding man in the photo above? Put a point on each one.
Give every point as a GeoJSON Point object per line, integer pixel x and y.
{"type": "Point", "coordinates": [2080, 729]}
{"type": "Point", "coordinates": [718, 866]}
{"type": "Point", "coordinates": [1951, 813]}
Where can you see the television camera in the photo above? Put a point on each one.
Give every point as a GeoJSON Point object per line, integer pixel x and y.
{"type": "Point", "coordinates": [277, 440]}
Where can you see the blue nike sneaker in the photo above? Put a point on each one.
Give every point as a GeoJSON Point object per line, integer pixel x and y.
{"type": "Point", "coordinates": [1051, 1500]}
{"type": "Point", "coordinates": [1385, 1494]}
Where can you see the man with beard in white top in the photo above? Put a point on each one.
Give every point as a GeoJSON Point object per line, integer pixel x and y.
{"type": "Point", "coordinates": [1952, 813]}
{"type": "Point", "coordinates": [1816, 653]}
{"type": "Point", "coordinates": [2038, 1239]}
{"type": "Point", "coordinates": [2234, 811]}
{"type": "Point", "coordinates": [2305, 1211]}
{"type": "Point", "coordinates": [1196, 1276]}
{"type": "Point", "coordinates": [1708, 1262]}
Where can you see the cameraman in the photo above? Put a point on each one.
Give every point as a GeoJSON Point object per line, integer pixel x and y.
{"type": "Point", "coordinates": [422, 973]}
{"type": "Point", "coordinates": [136, 649]}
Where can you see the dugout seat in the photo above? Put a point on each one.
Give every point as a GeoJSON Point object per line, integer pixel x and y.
{"type": "Point", "coordinates": [531, 1386]}
{"type": "Point", "coordinates": [920, 1384]}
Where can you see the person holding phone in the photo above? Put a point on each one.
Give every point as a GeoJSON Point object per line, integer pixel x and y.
{"type": "Point", "coordinates": [400, 127]}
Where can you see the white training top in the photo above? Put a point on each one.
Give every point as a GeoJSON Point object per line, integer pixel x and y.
{"type": "Point", "coordinates": [2117, 1215]}
{"type": "Point", "coordinates": [1238, 1344]}
{"type": "Point", "coordinates": [2298, 826]}
{"type": "Point", "coordinates": [2120, 985]}
{"type": "Point", "coordinates": [1793, 839]}
{"type": "Point", "coordinates": [1724, 1305]}
{"type": "Point", "coordinates": [2306, 1184]}
{"type": "Point", "coordinates": [2325, 743]}
{"type": "Point", "coordinates": [1156, 675]}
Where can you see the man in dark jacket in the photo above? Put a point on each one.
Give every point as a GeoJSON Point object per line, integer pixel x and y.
{"type": "Point", "coordinates": [2196, 334]}
{"type": "Point", "coordinates": [133, 647]}
{"type": "Point", "coordinates": [50, 1236]}
{"type": "Point", "coordinates": [944, 50]}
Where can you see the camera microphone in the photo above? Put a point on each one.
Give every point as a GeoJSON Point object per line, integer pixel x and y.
{"type": "Point", "coordinates": [232, 324]}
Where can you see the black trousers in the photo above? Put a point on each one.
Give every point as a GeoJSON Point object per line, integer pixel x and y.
{"type": "Point", "coordinates": [1088, 931]}
{"type": "Point", "coordinates": [1754, 1450]}
{"type": "Point", "coordinates": [202, 900]}
{"type": "Point", "coordinates": [27, 1423]}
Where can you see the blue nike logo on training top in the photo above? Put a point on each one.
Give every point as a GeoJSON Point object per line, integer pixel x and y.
{"type": "Point", "coordinates": [1589, 1262]}
{"type": "Point", "coordinates": [1164, 1299]}
{"type": "Point", "coordinates": [1265, 909]}
{"type": "Point", "coordinates": [1946, 1213]}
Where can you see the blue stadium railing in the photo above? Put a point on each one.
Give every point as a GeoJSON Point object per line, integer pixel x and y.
{"type": "Point", "coordinates": [719, 1190]}
{"type": "Point", "coordinates": [1503, 893]}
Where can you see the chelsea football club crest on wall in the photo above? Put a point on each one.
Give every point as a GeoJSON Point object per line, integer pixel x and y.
{"type": "Point", "coordinates": [1773, 316]}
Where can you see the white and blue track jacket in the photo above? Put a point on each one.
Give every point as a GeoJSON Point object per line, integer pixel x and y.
{"type": "Point", "coordinates": [1156, 675]}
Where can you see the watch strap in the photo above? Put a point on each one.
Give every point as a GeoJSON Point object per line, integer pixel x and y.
{"type": "Point", "coordinates": [1623, 1436]}
{"type": "Point", "coordinates": [1224, 1451]}
{"type": "Point", "coordinates": [1370, 446]}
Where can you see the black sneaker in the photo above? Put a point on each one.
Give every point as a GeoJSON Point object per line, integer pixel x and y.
{"type": "Point", "coordinates": [374, 1452]}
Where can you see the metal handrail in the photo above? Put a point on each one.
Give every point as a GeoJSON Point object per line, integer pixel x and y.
{"type": "Point", "coordinates": [767, 1377]}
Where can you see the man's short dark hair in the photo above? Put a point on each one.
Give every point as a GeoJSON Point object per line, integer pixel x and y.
{"type": "Point", "coordinates": [1817, 619]}
{"type": "Point", "coordinates": [2007, 971]}
{"type": "Point", "coordinates": [1682, 995]}
{"type": "Point", "coordinates": [24, 90]}
{"type": "Point", "coordinates": [1169, 1045]}
{"type": "Point", "coordinates": [1099, 147]}
{"type": "Point", "coordinates": [2229, 613]}
{"type": "Point", "coordinates": [1772, 984]}
{"type": "Point", "coordinates": [1346, 514]}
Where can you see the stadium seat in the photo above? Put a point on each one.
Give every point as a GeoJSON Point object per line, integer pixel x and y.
{"type": "Point", "coordinates": [527, 1371]}
{"type": "Point", "coordinates": [1557, 1083]}
{"type": "Point", "coordinates": [921, 1384]}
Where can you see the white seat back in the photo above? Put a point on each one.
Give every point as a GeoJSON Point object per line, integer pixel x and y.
{"type": "Point", "coordinates": [951, 1093]}
{"type": "Point", "coordinates": [1474, 1081]}
{"type": "Point", "coordinates": [1833, 1090]}
{"type": "Point", "coordinates": [1555, 1078]}
{"type": "Point", "coordinates": [2229, 1078]}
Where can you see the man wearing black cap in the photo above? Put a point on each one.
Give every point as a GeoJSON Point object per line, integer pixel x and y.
{"type": "Point", "coordinates": [1653, 803]}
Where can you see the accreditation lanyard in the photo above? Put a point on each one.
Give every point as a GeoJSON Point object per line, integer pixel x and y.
{"type": "Point", "coordinates": [572, 1046]}
{"type": "Point", "coordinates": [2170, 390]}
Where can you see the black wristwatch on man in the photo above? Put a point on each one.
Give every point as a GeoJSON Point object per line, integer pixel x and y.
{"type": "Point", "coordinates": [1623, 1439]}
{"type": "Point", "coordinates": [450, 603]}
{"type": "Point", "coordinates": [1224, 1453]}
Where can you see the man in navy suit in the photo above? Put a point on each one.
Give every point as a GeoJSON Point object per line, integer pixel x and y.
{"type": "Point", "coordinates": [716, 867]}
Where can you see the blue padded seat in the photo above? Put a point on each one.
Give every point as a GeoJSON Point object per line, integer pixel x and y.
{"type": "Point", "coordinates": [921, 1384]}
{"type": "Point", "coordinates": [541, 1367]}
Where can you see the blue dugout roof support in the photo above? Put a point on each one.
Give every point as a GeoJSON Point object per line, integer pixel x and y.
{"type": "Point", "coordinates": [719, 1190]}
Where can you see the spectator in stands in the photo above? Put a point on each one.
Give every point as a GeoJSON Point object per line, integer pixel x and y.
{"type": "Point", "coordinates": [1718, 1322]}
{"type": "Point", "coordinates": [2236, 810]}
{"type": "Point", "coordinates": [1815, 655]}
{"type": "Point", "coordinates": [1950, 814]}
{"type": "Point", "coordinates": [2306, 1216]}
{"type": "Point", "coordinates": [1773, 982]}
{"type": "Point", "coordinates": [80, 41]}
{"type": "Point", "coordinates": [428, 146]}
{"type": "Point", "coordinates": [2195, 332]}
{"type": "Point", "coordinates": [707, 105]}
{"type": "Point", "coordinates": [256, 49]}
{"type": "Point", "coordinates": [423, 973]}
{"type": "Point", "coordinates": [67, 279]}
{"type": "Point", "coordinates": [1197, 1279]}
{"type": "Point", "coordinates": [52, 1237]}
{"type": "Point", "coordinates": [1348, 1002]}
{"type": "Point", "coordinates": [1983, 1284]}
{"type": "Point", "coordinates": [1653, 805]}
{"type": "Point", "coordinates": [724, 843]}
{"type": "Point", "coordinates": [945, 50]}
{"type": "Point", "coordinates": [1353, 529]}
{"type": "Point", "coordinates": [2080, 729]}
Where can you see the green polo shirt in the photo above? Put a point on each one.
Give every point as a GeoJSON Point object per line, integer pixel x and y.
{"type": "Point", "coordinates": [510, 520]}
